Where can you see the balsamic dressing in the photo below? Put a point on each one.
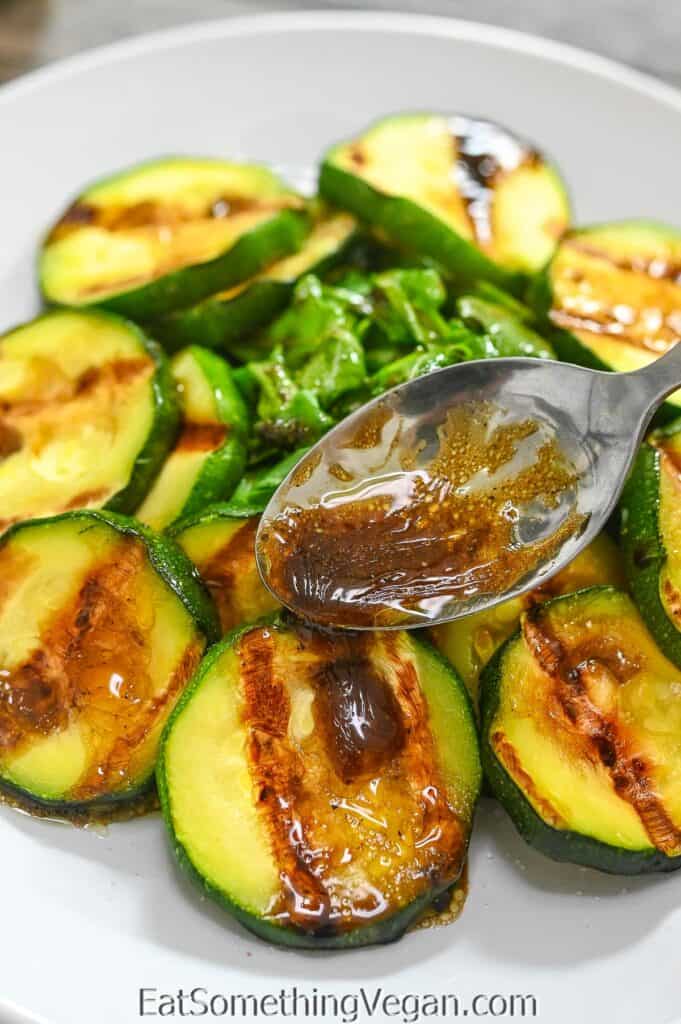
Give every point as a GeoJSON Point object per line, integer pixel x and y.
{"type": "Point", "coordinates": [403, 544]}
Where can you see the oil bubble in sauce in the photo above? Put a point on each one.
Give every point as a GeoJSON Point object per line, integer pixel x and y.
{"type": "Point", "coordinates": [420, 526]}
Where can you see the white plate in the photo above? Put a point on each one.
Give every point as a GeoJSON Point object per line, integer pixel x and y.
{"type": "Point", "coordinates": [88, 919]}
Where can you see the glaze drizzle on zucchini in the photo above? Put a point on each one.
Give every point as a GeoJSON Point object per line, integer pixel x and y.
{"type": "Point", "coordinates": [104, 624]}
{"type": "Point", "coordinates": [358, 773]}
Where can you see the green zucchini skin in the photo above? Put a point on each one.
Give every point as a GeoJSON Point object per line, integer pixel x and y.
{"type": "Point", "coordinates": [278, 237]}
{"type": "Point", "coordinates": [378, 933]}
{"type": "Point", "coordinates": [222, 468]}
{"type": "Point", "coordinates": [643, 548]}
{"type": "Point", "coordinates": [181, 577]}
{"type": "Point", "coordinates": [415, 228]}
{"type": "Point", "coordinates": [222, 324]}
{"type": "Point", "coordinates": [375, 934]}
{"type": "Point", "coordinates": [561, 845]}
{"type": "Point", "coordinates": [163, 430]}
{"type": "Point", "coordinates": [189, 185]}
{"type": "Point", "coordinates": [569, 348]}
{"type": "Point", "coordinates": [170, 562]}
{"type": "Point", "coordinates": [219, 509]}
{"type": "Point", "coordinates": [166, 409]}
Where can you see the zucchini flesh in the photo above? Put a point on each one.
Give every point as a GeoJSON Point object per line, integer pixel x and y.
{"type": "Point", "coordinates": [651, 536]}
{"type": "Point", "coordinates": [209, 456]}
{"type": "Point", "coordinates": [321, 789]}
{"type": "Point", "coordinates": [470, 642]}
{"type": "Point", "coordinates": [614, 292]}
{"type": "Point", "coordinates": [222, 321]}
{"type": "Point", "coordinates": [221, 544]}
{"type": "Point", "coordinates": [164, 234]}
{"type": "Point", "coordinates": [580, 733]}
{"type": "Point", "coordinates": [463, 191]}
{"type": "Point", "coordinates": [103, 626]}
{"type": "Point", "coordinates": [75, 386]}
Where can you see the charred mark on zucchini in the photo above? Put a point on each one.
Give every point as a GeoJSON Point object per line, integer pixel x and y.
{"type": "Point", "coordinates": [226, 570]}
{"type": "Point", "coordinates": [73, 385]}
{"type": "Point", "coordinates": [634, 300]}
{"type": "Point", "coordinates": [367, 734]}
{"type": "Point", "coordinates": [93, 659]}
{"type": "Point", "coordinates": [483, 155]}
{"type": "Point", "coordinates": [104, 625]}
{"type": "Point", "coordinates": [201, 437]}
{"type": "Point", "coordinates": [582, 679]}
{"type": "Point", "coordinates": [163, 216]}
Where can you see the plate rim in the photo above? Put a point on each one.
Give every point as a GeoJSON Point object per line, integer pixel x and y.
{"type": "Point", "coordinates": [396, 22]}
{"type": "Point", "coordinates": [371, 21]}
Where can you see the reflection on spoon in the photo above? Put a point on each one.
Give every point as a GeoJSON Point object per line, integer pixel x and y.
{"type": "Point", "coordinates": [399, 524]}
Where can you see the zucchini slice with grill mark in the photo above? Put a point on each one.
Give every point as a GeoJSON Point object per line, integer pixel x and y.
{"type": "Point", "coordinates": [613, 293]}
{"type": "Point", "coordinates": [104, 624]}
{"type": "Point", "coordinates": [470, 642]}
{"type": "Point", "coordinates": [163, 235]}
{"type": "Point", "coordinates": [321, 789]}
{"type": "Point", "coordinates": [88, 412]}
{"type": "Point", "coordinates": [465, 192]}
{"type": "Point", "coordinates": [209, 456]}
{"type": "Point", "coordinates": [222, 321]}
{"type": "Point", "coordinates": [581, 718]}
{"type": "Point", "coordinates": [221, 543]}
{"type": "Point", "coordinates": [651, 536]}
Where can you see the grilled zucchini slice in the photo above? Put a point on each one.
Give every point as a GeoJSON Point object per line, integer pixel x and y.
{"type": "Point", "coordinates": [223, 321]}
{"type": "Point", "coordinates": [651, 536]}
{"type": "Point", "coordinates": [581, 718]}
{"type": "Point", "coordinates": [163, 235]}
{"type": "Point", "coordinates": [321, 788]}
{"type": "Point", "coordinates": [470, 642]}
{"type": "Point", "coordinates": [103, 625]}
{"type": "Point", "coordinates": [209, 456]}
{"type": "Point", "coordinates": [613, 291]}
{"type": "Point", "coordinates": [465, 192]}
{"type": "Point", "coordinates": [88, 412]}
{"type": "Point", "coordinates": [221, 543]}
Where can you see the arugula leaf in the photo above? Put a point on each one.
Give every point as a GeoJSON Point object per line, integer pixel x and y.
{"type": "Point", "coordinates": [506, 333]}
{"type": "Point", "coordinates": [257, 487]}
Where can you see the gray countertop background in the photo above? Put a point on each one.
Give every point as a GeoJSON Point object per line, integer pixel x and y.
{"type": "Point", "coordinates": [643, 33]}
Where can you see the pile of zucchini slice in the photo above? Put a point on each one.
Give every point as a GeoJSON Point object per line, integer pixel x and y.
{"type": "Point", "coordinates": [204, 324]}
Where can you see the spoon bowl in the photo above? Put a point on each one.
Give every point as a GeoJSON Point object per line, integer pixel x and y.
{"type": "Point", "coordinates": [596, 418]}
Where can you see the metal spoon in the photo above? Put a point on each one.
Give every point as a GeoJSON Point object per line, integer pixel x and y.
{"type": "Point", "coordinates": [598, 419]}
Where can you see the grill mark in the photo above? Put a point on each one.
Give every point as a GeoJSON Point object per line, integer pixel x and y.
{"type": "Point", "coordinates": [421, 766]}
{"type": "Point", "coordinates": [117, 371]}
{"type": "Point", "coordinates": [672, 599]}
{"type": "Point", "coordinates": [201, 437]}
{"type": "Point", "coordinates": [223, 571]}
{"type": "Point", "coordinates": [116, 764]}
{"type": "Point", "coordinates": [484, 155]}
{"type": "Point", "coordinates": [656, 269]}
{"type": "Point", "coordinates": [630, 774]}
{"type": "Point", "coordinates": [357, 155]}
{"type": "Point", "coordinates": [11, 440]}
{"type": "Point", "coordinates": [508, 756]}
{"type": "Point", "coordinates": [670, 457]}
{"type": "Point", "coordinates": [155, 214]}
{"type": "Point", "coordinates": [277, 775]}
{"type": "Point", "coordinates": [288, 804]}
{"type": "Point", "coordinates": [113, 374]}
{"type": "Point", "coordinates": [608, 324]}
{"type": "Point", "coordinates": [96, 496]}
{"type": "Point", "coordinates": [67, 675]}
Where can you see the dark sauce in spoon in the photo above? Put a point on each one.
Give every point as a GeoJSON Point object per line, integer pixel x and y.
{"type": "Point", "coordinates": [407, 541]}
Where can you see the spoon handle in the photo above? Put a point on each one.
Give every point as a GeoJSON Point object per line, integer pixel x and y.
{"type": "Point", "coordinates": [661, 377]}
